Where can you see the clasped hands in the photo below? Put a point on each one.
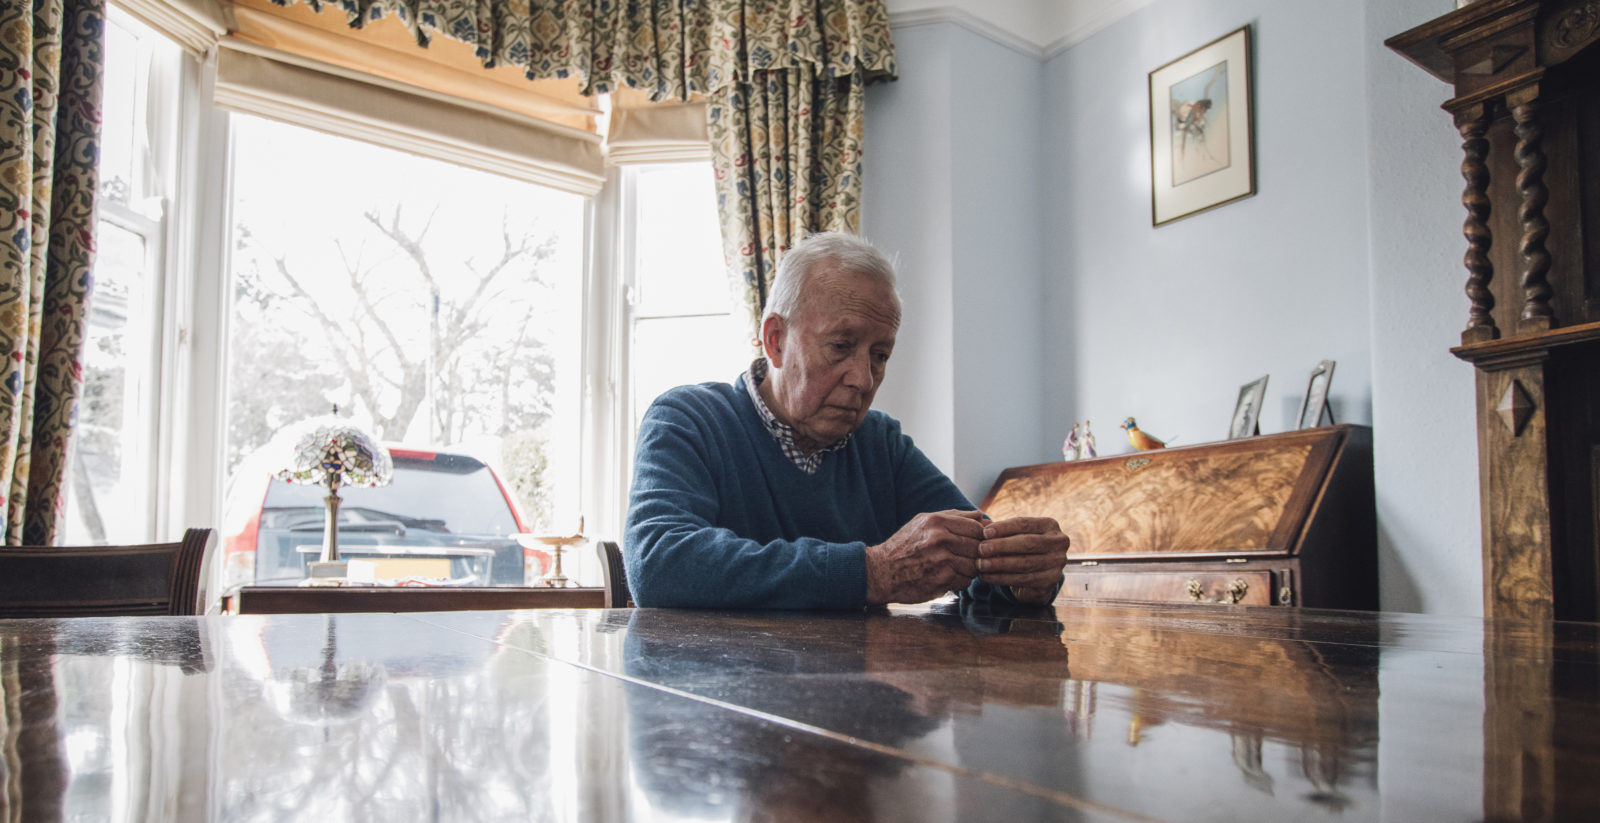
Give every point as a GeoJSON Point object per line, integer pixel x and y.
{"type": "Point", "coordinates": [945, 551]}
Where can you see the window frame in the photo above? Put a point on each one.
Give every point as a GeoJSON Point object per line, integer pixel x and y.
{"type": "Point", "coordinates": [626, 311]}
{"type": "Point", "coordinates": [192, 301]}
{"type": "Point", "coordinates": [156, 219]}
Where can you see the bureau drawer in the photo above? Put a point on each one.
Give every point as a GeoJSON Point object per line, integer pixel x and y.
{"type": "Point", "coordinates": [1252, 588]}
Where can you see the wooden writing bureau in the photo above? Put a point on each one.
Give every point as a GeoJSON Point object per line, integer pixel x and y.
{"type": "Point", "coordinates": [1281, 519]}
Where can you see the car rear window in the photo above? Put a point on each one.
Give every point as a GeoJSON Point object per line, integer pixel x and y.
{"type": "Point", "coordinates": [451, 493]}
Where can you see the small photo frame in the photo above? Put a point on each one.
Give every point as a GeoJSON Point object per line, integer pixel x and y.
{"type": "Point", "coordinates": [1315, 403]}
{"type": "Point", "coordinates": [1247, 411]}
{"type": "Point", "coordinates": [1202, 144]}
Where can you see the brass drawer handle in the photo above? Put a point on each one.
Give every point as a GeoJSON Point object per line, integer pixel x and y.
{"type": "Point", "coordinates": [1236, 591]}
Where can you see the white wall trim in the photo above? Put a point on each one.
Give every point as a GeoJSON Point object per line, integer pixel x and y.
{"type": "Point", "coordinates": [1108, 15]}
{"type": "Point", "coordinates": [970, 22]}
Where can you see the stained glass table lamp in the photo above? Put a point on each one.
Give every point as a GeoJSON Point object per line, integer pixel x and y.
{"type": "Point", "coordinates": [334, 455]}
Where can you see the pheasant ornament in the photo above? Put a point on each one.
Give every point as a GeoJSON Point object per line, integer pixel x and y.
{"type": "Point", "coordinates": [1140, 440]}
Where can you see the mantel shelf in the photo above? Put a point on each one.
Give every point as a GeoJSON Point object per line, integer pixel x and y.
{"type": "Point", "coordinates": [1524, 345]}
{"type": "Point", "coordinates": [1425, 44]}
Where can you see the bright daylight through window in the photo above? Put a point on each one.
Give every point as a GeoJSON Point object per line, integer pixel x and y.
{"type": "Point", "coordinates": [109, 468]}
{"type": "Point", "coordinates": [436, 306]}
{"type": "Point", "coordinates": [683, 330]}
{"type": "Point", "coordinates": [441, 308]}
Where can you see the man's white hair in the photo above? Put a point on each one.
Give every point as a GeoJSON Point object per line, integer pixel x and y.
{"type": "Point", "coordinates": [809, 256]}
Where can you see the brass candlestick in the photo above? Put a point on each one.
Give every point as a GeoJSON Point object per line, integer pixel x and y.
{"type": "Point", "coordinates": [556, 579]}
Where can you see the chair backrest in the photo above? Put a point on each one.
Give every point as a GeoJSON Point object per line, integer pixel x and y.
{"type": "Point", "coordinates": [109, 581]}
{"type": "Point", "coordinates": [616, 577]}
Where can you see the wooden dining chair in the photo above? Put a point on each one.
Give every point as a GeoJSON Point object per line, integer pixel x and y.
{"type": "Point", "coordinates": [104, 581]}
{"type": "Point", "coordinates": [616, 577]}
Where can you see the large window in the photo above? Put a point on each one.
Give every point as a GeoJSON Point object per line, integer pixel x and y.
{"type": "Point", "coordinates": [434, 305]}
{"type": "Point", "coordinates": [253, 275]}
{"type": "Point", "coordinates": [110, 468]}
{"type": "Point", "coordinates": [682, 325]}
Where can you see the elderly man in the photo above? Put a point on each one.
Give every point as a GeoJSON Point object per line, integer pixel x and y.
{"type": "Point", "coordinates": [785, 490]}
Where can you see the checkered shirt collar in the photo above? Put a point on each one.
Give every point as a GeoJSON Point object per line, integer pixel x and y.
{"type": "Point", "coordinates": [781, 431]}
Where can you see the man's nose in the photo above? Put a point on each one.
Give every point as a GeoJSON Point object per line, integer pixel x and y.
{"type": "Point", "coordinates": [859, 375]}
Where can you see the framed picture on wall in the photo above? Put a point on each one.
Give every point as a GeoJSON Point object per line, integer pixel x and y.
{"type": "Point", "coordinates": [1315, 404]}
{"type": "Point", "coordinates": [1202, 144]}
{"type": "Point", "coordinates": [1247, 411]}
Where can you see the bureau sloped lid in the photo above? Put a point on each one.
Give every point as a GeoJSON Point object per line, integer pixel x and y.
{"type": "Point", "coordinates": [1237, 497]}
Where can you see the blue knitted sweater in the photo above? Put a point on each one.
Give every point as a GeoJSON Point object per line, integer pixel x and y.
{"type": "Point", "coordinates": [718, 517]}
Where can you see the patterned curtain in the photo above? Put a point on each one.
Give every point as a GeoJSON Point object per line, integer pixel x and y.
{"type": "Point", "coordinates": [787, 151]}
{"type": "Point", "coordinates": [51, 66]}
{"type": "Point", "coordinates": [783, 79]}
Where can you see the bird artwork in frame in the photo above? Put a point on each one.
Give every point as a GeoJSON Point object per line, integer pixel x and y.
{"type": "Point", "coordinates": [1202, 145]}
{"type": "Point", "coordinates": [1247, 410]}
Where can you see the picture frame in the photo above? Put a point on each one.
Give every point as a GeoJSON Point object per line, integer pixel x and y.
{"type": "Point", "coordinates": [1247, 409]}
{"type": "Point", "coordinates": [1202, 129]}
{"type": "Point", "coordinates": [1315, 402]}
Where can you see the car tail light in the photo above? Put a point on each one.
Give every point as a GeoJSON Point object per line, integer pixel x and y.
{"type": "Point", "coordinates": [239, 550]}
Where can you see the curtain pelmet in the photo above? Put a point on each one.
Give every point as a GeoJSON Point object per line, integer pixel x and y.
{"type": "Point", "coordinates": [670, 48]}
{"type": "Point", "coordinates": [51, 64]}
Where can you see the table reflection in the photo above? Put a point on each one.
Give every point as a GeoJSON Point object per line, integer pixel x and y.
{"type": "Point", "coordinates": [339, 717]}
{"type": "Point", "coordinates": [933, 713]}
{"type": "Point", "coordinates": [973, 688]}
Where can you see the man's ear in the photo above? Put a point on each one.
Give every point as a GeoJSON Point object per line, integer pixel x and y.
{"type": "Point", "coordinates": [773, 332]}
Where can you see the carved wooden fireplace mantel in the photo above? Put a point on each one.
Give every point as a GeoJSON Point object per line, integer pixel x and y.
{"type": "Point", "coordinates": [1526, 82]}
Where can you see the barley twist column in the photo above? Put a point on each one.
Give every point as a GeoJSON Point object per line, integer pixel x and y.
{"type": "Point", "coordinates": [1536, 312]}
{"type": "Point", "coordinates": [1473, 123]}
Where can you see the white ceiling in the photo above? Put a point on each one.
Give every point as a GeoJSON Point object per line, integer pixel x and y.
{"type": "Point", "coordinates": [1048, 25]}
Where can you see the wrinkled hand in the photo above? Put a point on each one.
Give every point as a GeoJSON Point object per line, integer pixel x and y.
{"type": "Point", "coordinates": [1025, 553]}
{"type": "Point", "coordinates": [934, 553]}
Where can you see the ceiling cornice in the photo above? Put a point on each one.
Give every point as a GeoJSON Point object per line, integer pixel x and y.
{"type": "Point", "coordinates": [1108, 14]}
{"type": "Point", "coordinates": [970, 22]}
{"type": "Point", "coordinates": [1075, 26]}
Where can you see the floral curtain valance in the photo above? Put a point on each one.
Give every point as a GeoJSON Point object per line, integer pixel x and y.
{"type": "Point", "coordinates": [668, 48]}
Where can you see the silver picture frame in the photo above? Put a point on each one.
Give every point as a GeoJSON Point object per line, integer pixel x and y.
{"type": "Point", "coordinates": [1247, 410]}
{"type": "Point", "coordinates": [1315, 403]}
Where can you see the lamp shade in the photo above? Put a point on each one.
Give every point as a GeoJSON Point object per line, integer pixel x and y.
{"type": "Point", "coordinates": [337, 454]}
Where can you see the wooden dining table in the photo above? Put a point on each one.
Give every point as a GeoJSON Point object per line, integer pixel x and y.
{"type": "Point", "coordinates": [347, 599]}
{"type": "Point", "coordinates": [929, 713]}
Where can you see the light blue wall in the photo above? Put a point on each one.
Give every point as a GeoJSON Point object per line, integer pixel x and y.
{"type": "Point", "coordinates": [1017, 192]}
{"type": "Point", "coordinates": [906, 210]}
{"type": "Point", "coordinates": [1000, 359]}
{"type": "Point", "coordinates": [950, 187]}
{"type": "Point", "coordinates": [1423, 415]}
{"type": "Point", "coordinates": [1167, 323]}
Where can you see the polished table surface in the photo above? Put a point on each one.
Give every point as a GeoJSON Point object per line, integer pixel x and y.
{"type": "Point", "coordinates": [1084, 713]}
{"type": "Point", "coordinates": [348, 599]}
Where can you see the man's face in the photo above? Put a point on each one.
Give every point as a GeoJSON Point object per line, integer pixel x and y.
{"type": "Point", "coordinates": [828, 359]}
